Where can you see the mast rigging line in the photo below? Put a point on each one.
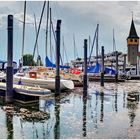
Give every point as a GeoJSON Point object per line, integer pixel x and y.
{"type": "Point", "coordinates": [50, 36]}
{"type": "Point", "coordinates": [53, 31]}
{"type": "Point", "coordinates": [47, 26]}
{"type": "Point", "coordinates": [114, 43]}
{"type": "Point", "coordinates": [75, 49]}
{"type": "Point", "coordinates": [95, 35]}
{"type": "Point", "coordinates": [23, 39]}
{"type": "Point", "coordinates": [39, 28]}
{"type": "Point", "coordinates": [64, 49]}
{"type": "Point", "coordinates": [23, 21]}
{"type": "Point", "coordinates": [36, 34]}
{"type": "Point", "coordinates": [97, 43]}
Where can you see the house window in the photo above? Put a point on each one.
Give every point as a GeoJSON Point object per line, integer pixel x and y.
{"type": "Point", "coordinates": [131, 40]}
{"type": "Point", "coordinates": [135, 40]}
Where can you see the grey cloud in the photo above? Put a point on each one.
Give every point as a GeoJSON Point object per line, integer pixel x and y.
{"type": "Point", "coordinates": [137, 21]}
{"type": "Point", "coordinates": [127, 3]}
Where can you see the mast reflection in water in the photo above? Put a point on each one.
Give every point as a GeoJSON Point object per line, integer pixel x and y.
{"type": "Point", "coordinates": [102, 106]}
{"type": "Point", "coordinates": [116, 106]}
{"type": "Point", "coordinates": [9, 124]}
{"type": "Point", "coordinates": [57, 118]}
{"type": "Point", "coordinates": [84, 113]}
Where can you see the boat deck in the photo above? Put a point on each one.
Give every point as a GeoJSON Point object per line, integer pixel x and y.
{"type": "Point", "coordinates": [3, 88]}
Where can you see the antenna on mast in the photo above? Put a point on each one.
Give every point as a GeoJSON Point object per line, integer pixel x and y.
{"type": "Point", "coordinates": [132, 14]}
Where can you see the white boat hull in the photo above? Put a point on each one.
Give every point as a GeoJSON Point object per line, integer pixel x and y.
{"type": "Point", "coordinates": [48, 83]}
{"type": "Point", "coordinates": [31, 90]}
{"type": "Point", "coordinates": [26, 89]}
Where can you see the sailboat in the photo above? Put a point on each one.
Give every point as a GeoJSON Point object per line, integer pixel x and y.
{"type": "Point", "coordinates": [31, 79]}
{"type": "Point", "coordinates": [109, 72]}
{"type": "Point", "coordinates": [65, 70]}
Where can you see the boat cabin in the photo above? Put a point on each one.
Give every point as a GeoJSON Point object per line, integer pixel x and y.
{"type": "Point", "coordinates": [3, 66]}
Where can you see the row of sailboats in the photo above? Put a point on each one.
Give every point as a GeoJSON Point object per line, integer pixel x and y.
{"type": "Point", "coordinates": [34, 76]}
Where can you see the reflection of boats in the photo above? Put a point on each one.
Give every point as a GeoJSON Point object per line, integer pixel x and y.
{"type": "Point", "coordinates": [107, 78]}
{"type": "Point", "coordinates": [48, 83]}
{"type": "Point", "coordinates": [132, 106]}
{"type": "Point", "coordinates": [133, 96]}
{"type": "Point", "coordinates": [98, 93]}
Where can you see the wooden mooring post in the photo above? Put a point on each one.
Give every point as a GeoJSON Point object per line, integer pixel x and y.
{"type": "Point", "coordinates": [116, 74]}
{"type": "Point", "coordinates": [102, 67]}
{"type": "Point", "coordinates": [85, 67]}
{"type": "Point", "coordinates": [57, 77]}
{"type": "Point", "coordinates": [9, 70]}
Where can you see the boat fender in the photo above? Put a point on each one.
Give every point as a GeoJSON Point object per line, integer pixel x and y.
{"type": "Point", "coordinates": [20, 82]}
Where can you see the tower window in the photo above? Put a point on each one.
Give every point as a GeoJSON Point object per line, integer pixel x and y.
{"type": "Point", "coordinates": [131, 40]}
{"type": "Point", "coordinates": [135, 40]}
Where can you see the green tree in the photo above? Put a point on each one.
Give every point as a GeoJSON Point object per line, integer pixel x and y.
{"type": "Point", "coordinates": [28, 60]}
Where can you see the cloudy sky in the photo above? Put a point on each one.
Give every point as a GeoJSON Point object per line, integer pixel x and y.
{"type": "Point", "coordinates": [78, 17]}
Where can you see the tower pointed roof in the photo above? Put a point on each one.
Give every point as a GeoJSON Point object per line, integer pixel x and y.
{"type": "Point", "coordinates": [132, 33]}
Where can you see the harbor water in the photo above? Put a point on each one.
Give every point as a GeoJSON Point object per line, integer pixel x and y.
{"type": "Point", "coordinates": [111, 112]}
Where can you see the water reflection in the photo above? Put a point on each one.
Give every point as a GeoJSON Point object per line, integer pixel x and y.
{"type": "Point", "coordinates": [9, 124]}
{"type": "Point", "coordinates": [124, 94]}
{"type": "Point", "coordinates": [95, 117]}
{"type": "Point", "coordinates": [84, 113]}
{"type": "Point", "coordinates": [132, 105]}
{"type": "Point", "coordinates": [116, 106]}
{"type": "Point", "coordinates": [57, 118]}
{"type": "Point", "coordinates": [102, 106]}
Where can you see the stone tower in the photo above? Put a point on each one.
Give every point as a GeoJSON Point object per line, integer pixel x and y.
{"type": "Point", "coordinates": [132, 45]}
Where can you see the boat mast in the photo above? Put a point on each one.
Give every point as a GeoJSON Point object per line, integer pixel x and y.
{"type": "Point", "coordinates": [63, 48]}
{"type": "Point", "coordinates": [39, 28]}
{"type": "Point", "coordinates": [64, 53]}
{"type": "Point", "coordinates": [97, 43]}
{"type": "Point", "coordinates": [74, 46]}
{"type": "Point", "coordinates": [47, 26]}
{"type": "Point", "coordinates": [75, 49]}
{"type": "Point", "coordinates": [38, 56]}
{"type": "Point", "coordinates": [89, 43]}
{"type": "Point", "coordinates": [23, 34]}
{"type": "Point", "coordinates": [50, 36]}
{"type": "Point", "coordinates": [114, 44]}
{"type": "Point", "coordinates": [94, 39]}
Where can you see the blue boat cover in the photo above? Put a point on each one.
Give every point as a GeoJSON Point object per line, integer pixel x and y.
{"type": "Point", "coordinates": [48, 63]}
{"type": "Point", "coordinates": [94, 69]}
{"type": "Point", "coordinates": [110, 71]}
{"type": "Point", "coordinates": [97, 67]}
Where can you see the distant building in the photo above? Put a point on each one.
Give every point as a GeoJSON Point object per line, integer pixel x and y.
{"type": "Point", "coordinates": [132, 45]}
{"type": "Point", "coordinates": [109, 60]}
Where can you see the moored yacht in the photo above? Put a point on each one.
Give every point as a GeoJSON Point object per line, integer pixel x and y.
{"type": "Point", "coordinates": [34, 78]}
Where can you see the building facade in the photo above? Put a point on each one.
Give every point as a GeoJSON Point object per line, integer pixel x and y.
{"type": "Point", "coordinates": [132, 45]}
